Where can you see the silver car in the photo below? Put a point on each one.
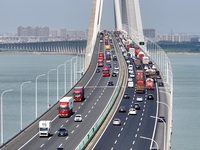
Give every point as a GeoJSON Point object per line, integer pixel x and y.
{"type": "Point", "coordinates": [78, 118]}
{"type": "Point", "coordinates": [116, 121]}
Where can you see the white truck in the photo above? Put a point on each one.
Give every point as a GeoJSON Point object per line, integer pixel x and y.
{"type": "Point", "coordinates": [44, 128]}
{"type": "Point", "coordinates": [145, 60]}
{"type": "Point", "coordinates": [132, 52]}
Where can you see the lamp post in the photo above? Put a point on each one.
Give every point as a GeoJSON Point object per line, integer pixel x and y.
{"type": "Point", "coordinates": [71, 69]}
{"type": "Point", "coordinates": [164, 127]}
{"type": "Point", "coordinates": [48, 87]}
{"type": "Point", "coordinates": [58, 81]}
{"type": "Point", "coordinates": [36, 93]}
{"type": "Point", "coordinates": [150, 140]}
{"type": "Point", "coordinates": [21, 102]}
{"type": "Point", "coordinates": [66, 75]}
{"type": "Point", "coordinates": [2, 113]}
{"type": "Point", "coordinates": [75, 73]}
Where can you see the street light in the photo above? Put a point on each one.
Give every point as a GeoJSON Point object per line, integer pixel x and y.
{"type": "Point", "coordinates": [66, 75]}
{"type": "Point", "coordinates": [21, 102]}
{"type": "Point", "coordinates": [75, 73]}
{"type": "Point", "coordinates": [48, 87]}
{"type": "Point", "coordinates": [71, 69]}
{"type": "Point", "coordinates": [58, 81]}
{"type": "Point", "coordinates": [36, 93]}
{"type": "Point", "coordinates": [164, 127]}
{"type": "Point", "coordinates": [2, 113]}
{"type": "Point", "coordinates": [150, 140]}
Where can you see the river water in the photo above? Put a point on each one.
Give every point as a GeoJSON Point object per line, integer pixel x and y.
{"type": "Point", "coordinates": [18, 68]}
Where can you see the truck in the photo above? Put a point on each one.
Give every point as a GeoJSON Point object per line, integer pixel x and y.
{"type": "Point", "coordinates": [137, 50]}
{"type": "Point", "coordinates": [140, 55]}
{"type": "Point", "coordinates": [100, 62]}
{"type": "Point", "coordinates": [78, 93]}
{"type": "Point", "coordinates": [132, 52]}
{"type": "Point", "coordinates": [106, 41]}
{"type": "Point", "coordinates": [139, 81]}
{"type": "Point", "coordinates": [44, 128]}
{"type": "Point", "coordinates": [149, 83]}
{"type": "Point", "coordinates": [137, 63]}
{"type": "Point", "coordinates": [101, 54]}
{"type": "Point", "coordinates": [145, 60]}
{"type": "Point", "coordinates": [107, 47]}
{"type": "Point", "coordinates": [151, 73]}
{"type": "Point", "coordinates": [108, 56]}
{"type": "Point", "coordinates": [65, 108]}
{"type": "Point", "coordinates": [105, 71]}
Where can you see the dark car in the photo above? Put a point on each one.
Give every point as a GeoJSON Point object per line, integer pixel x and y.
{"type": "Point", "coordinates": [122, 109]}
{"type": "Point", "coordinates": [126, 96]}
{"type": "Point", "coordinates": [114, 74]}
{"type": "Point", "coordinates": [109, 65]}
{"type": "Point", "coordinates": [161, 119]}
{"type": "Point", "coordinates": [110, 83]}
{"type": "Point", "coordinates": [98, 70]}
{"type": "Point", "coordinates": [160, 84]}
{"type": "Point", "coordinates": [137, 106]}
{"type": "Point", "coordinates": [62, 131]}
{"type": "Point", "coordinates": [60, 148]}
{"type": "Point", "coordinates": [150, 97]}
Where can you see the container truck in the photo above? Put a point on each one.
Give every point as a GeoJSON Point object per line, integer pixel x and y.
{"type": "Point", "coordinates": [137, 63]}
{"type": "Point", "coordinates": [44, 128]}
{"type": "Point", "coordinates": [140, 55]}
{"type": "Point", "coordinates": [137, 50]}
{"type": "Point", "coordinates": [105, 71]}
{"type": "Point", "coordinates": [101, 54]}
{"type": "Point", "coordinates": [145, 60]}
{"type": "Point", "coordinates": [132, 52]}
{"type": "Point", "coordinates": [108, 56]}
{"type": "Point", "coordinates": [149, 83]}
{"type": "Point", "coordinates": [65, 108]}
{"type": "Point", "coordinates": [106, 41]}
{"type": "Point", "coordinates": [139, 81]}
{"type": "Point", "coordinates": [151, 73]}
{"type": "Point", "coordinates": [78, 93]}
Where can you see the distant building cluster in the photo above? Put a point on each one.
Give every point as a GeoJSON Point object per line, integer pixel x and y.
{"type": "Point", "coordinates": [150, 33]}
{"type": "Point", "coordinates": [30, 31]}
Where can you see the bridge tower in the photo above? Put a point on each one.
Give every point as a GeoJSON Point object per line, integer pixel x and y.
{"type": "Point", "coordinates": [95, 21]}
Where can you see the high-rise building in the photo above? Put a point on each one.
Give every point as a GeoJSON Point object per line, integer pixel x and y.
{"type": "Point", "coordinates": [54, 33]}
{"type": "Point", "coordinates": [29, 31]}
{"type": "Point", "coordinates": [63, 32]}
{"type": "Point", "coordinates": [150, 33]}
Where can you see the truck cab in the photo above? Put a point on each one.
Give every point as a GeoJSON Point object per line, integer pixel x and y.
{"type": "Point", "coordinates": [45, 128]}
{"type": "Point", "coordinates": [79, 93]}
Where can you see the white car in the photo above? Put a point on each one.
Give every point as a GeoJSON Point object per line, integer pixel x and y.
{"type": "Point", "coordinates": [139, 99]}
{"type": "Point", "coordinates": [78, 118]}
{"type": "Point", "coordinates": [153, 67]}
{"type": "Point", "coordinates": [146, 67]}
{"type": "Point", "coordinates": [130, 84]}
{"type": "Point", "coordinates": [128, 61]}
{"type": "Point", "coordinates": [132, 75]}
{"type": "Point", "coordinates": [116, 68]}
{"type": "Point", "coordinates": [131, 71]}
{"type": "Point", "coordinates": [132, 111]}
{"type": "Point", "coordinates": [116, 121]}
{"type": "Point", "coordinates": [116, 71]}
{"type": "Point", "coordinates": [107, 61]}
{"type": "Point", "coordinates": [130, 67]}
{"type": "Point", "coordinates": [130, 79]}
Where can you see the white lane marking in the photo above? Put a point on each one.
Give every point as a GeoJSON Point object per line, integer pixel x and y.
{"type": "Point", "coordinates": [89, 111]}
{"type": "Point", "coordinates": [79, 107]}
{"type": "Point", "coordinates": [77, 126]}
{"type": "Point", "coordinates": [141, 119]}
{"type": "Point", "coordinates": [140, 124]}
{"type": "Point", "coordinates": [136, 135]}
{"type": "Point", "coordinates": [60, 145]}
{"type": "Point", "coordinates": [72, 132]}
{"type": "Point", "coordinates": [66, 138]}
{"type": "Point", "coordinates": [133, 142]}
{"type": "Point", "coordinates": [122, 129]}
{"type": "Point", "coordinates": [95, 103]}
{"type": "Point", "coordinates": [49, 138]}
{"type": "Point", "coordinates": [124, 123]}
{"type": "Point", "coordinates": [126, 118]}
{"type": "Point", "coordinates": [119, 135]}
{"type": "Point", "coordinates": [115, 141]}
{"type": "Point", "coordinates": [92, 107]}
{"type": "Point", "coordinates": [41, 145]}
{"type": "Point", "coordinates": [66, 121]}
{"type": "Point", "coordinates": [138, 129]}
{"type": "Point", "coordinates": [85, 116]}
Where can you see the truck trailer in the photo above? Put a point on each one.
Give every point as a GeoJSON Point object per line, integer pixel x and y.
{"type": "Point", "coordinates": [65, 108]}
{"type": "Point", "coordinates": [139, 81]}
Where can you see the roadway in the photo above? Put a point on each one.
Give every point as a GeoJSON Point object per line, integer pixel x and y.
{"type": "Point", "coordinates": [97, 95]}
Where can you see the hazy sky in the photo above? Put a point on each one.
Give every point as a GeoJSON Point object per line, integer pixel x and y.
{"type": "Point", "coordinates": [166, 16]}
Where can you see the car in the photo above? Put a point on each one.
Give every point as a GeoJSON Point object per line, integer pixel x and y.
{"type": "Point", "coordinates": [116, 121]}
{"type": "Point", "coordinates": [130, 84]}
{"type": "Point", "coordinates": [161, 119]}
{"type": "Point", "coordinates": [128, 61]}
{"type": "Point", "coordinates": [122, 109]}
{"type": "Point", "coordinates": [60, 148]}
{"type": "Point", "coordinates": [132, 75]}
{"type": "Point", "coordinates": [130, 71]}
{"type": "Point", "coordinates": [98, 70]}
{"type": "Point", "coordinates": [78, 118]}
{"type": "Point", "coordinates": [139, 99]}
{"type": "Point", "coordinates": [130, 79]}
{"type": "Point", "coordinates": [132, 111]}
{"type": "Point", "coordinates": [116, 68]}
{"type": "Point", "coordinates": [153, 67]}
{"type": "Point", "coordinates": [116, 71]}
{"type": "Point", "coordinates": [150, 97]}
{"type": "Point", "coordinates": [109, 65]}
{"type": "Point", "coordinates": [110, 83]}
{"type": "Point", "coordinates": [62, 131]}
{"type": "Point", "coordinates": [155, 148]}
{"type": "Point", "coordinates": [126, 96]}
{"type": "Point", "coordinates": [114, 58]}
{"type": "Point", "coordinates": [137, 106]}
{"type": "Point", "coordinates": [158, 77]}
{"type": "Point", "coordinates": [160, 84]}
{"type": "Point", "coordinates": [130, 67]}
{"type": "Point", "coordinates": [108, 61]}
{"type": "Point", "coordinates": [114, 74]}
{"type": "Point", "coordinates": [146, 67]}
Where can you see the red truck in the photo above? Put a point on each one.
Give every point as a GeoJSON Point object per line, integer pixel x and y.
{"type": "Point", "coordinates": [100, 62]}
{"type": "Point", "coordinates": [140, 55]}
{"type": "Point", "coordinates": [139, 81]}
{"type": "Point", "coordinates": [106, 41]}
{"type": "Point", "coordinates": [137, 50]}
{"type": "Point", "coordinates": [78, 93]}
{"type": "Point", "coordinates": [101, 54]}
{"type": "Point", "coordinates": [149, 83]}
{"type": "Point", "coordinates": [65, 108]}
{"type": "Point", "coordinates": [105, 71]}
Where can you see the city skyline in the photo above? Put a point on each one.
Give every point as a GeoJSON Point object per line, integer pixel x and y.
{"type": "Point", "coordinates": [164, 16]}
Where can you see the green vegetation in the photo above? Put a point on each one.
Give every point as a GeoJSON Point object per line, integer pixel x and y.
{"type": "Point", "coordinates": [190, 47]}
